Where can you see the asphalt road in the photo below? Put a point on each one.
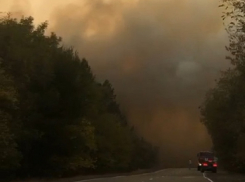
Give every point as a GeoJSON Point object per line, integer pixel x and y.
{"type": "Point", "coordinates": [174, 175]}
{"type": "Point", "coordinates": [222, 176]}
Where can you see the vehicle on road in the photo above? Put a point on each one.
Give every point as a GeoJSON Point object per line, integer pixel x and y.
{"type": "Point", "coordinates": [207, 162]}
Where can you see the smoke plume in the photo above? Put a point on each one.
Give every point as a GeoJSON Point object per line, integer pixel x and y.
{"type": "Point", "coordinates": [160, 55]}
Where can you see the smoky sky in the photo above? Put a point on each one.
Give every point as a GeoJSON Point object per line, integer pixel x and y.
{"type": "Point", "coordinates": [160, 55]}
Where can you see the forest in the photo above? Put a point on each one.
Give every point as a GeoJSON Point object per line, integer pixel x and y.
{"type": "Point", "coordinates": [223, 111]}
{"type": "Point", "coordinates": [56, 119]}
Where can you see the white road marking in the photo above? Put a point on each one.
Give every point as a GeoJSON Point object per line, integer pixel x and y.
{"type": "Point", "coordinates": [204, 175]}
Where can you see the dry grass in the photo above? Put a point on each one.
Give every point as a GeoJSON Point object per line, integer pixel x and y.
{"type": "Point", "coordinates": [79, 178]}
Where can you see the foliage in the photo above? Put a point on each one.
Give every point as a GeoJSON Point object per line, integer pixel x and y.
{"type": "Point", "coordinates": [9, 155]}
{"type": "Point", "coordinates": [55, 118]}
{"type": "Point", "coordinates": [224, 107]}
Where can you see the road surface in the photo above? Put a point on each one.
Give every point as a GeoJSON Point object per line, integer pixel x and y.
{"type": "Point", "coordinates": [222, 176]}
{"type": "Point", "coordinates": [174, 175]}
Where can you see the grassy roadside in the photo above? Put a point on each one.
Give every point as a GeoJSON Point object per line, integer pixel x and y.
{"type": "Point", "coordinates": [86, 177]}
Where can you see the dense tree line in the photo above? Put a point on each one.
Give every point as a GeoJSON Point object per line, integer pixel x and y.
{"type": "Point", "coordinates": [223, 111]}
{"type": "Point", "coordinates": [55, 118]}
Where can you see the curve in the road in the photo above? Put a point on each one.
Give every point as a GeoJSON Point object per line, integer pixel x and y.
{"type": "Point", "coordinates": [204, 175]}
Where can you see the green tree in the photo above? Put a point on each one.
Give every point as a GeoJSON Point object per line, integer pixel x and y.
{"type": "Point", "coordinates": [58, 118]}
{"type": "Point", "coordinates": [114, 144]}
{"type": "Point", "coordinates": [9, 155]}
{"type": "Point", "coordinates": [224, 107]}
{"type": "Point", "coordinates": [53, 87]}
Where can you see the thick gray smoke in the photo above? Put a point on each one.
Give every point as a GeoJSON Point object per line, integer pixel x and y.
{"type": "Point", "coordinates": [160, 55]}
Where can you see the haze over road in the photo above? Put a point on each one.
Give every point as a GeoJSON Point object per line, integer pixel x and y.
{"type": "Point", "coordinates": [161, 56]}
{"type": "Point", "coordinates": [174, 175]}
